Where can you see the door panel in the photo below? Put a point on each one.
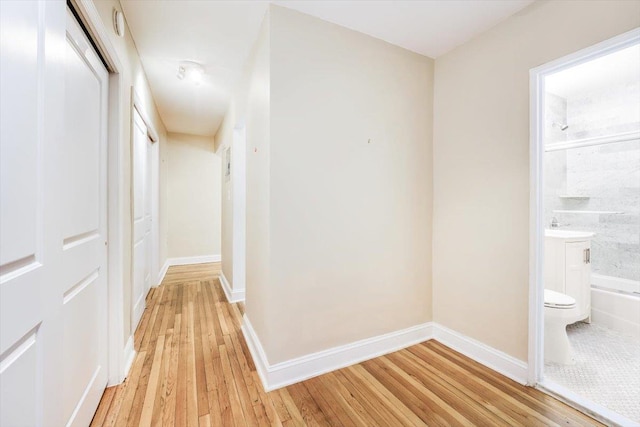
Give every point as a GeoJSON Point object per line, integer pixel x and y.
{"type": "Point", "coordinates": [19, 160]}
{"type": "Point", "coordinates": [140, 238]}
{"type": "Point", "coordinates": [82, 143]}
{"type": "Point", "coordinates": [20, 378]}
{"type": "Point", "coordinates": [84, 233]}
{"type": "Point", "coordinates": [147, 216]}
{"type": "Point", "coordinates": [53, 285]}
{"type": "Point", "coordinates": [21, 221]}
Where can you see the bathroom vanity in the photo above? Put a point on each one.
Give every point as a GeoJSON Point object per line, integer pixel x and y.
{"type": "Point", "coordinates": [568, 267]}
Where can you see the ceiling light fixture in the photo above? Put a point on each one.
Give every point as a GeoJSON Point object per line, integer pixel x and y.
{"type": "Point", "coordinates": [192, 71]}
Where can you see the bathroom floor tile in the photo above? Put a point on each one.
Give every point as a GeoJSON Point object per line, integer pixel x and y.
{"type": "Point", "coordinates": [607, 369]}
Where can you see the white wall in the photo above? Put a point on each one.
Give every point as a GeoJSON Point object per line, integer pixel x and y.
{"type": "Point", "coordinates": [339, 187]}
{"type": "Point", "coordinates": [259, 286]}
{"type": "Point", "coordinates": [481, 163]}
{"type": "Point", "coordinates": [133, 76]}
{"type": "Point", "coordinates": [193, 196]}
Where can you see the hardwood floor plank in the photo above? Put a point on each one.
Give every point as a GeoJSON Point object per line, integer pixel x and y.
{"type": "Point", "coordinates": [181, 376]}
{"type": "Point", "coordinates": [534, 412]}
{"type": "Point", "coordinates": [169, 408]}
{"type": "Point", "coordinates": [151, 392]}
{"type": "Point", "coordinates": [192, 381]}
{"type": "Point", "coordinates": [478, 409]}
{"type": "Point", "coordinates": [130, 386]}
{"type": "Point", "coordinates": [299, 414]}
{"type": "Point", "coordinates": [346, 399]}
{"type": "Point", "coordinates": [421, 400]}
{"type": "Point", "coordinates": [161, 392]}
{"type": "Point", "coordinates": [243, 394]}
{"type": "Point", "coordinates": [101, 414]}
{"type": "Point", "coordinates": [367, 396]}
{"type": "Point", "coordinates": [114, 407]}
{"type": "Point", "coordinates": [328, 404]}
{"type": "Point", "coordinates": [399, 408]}
{"type": "Point", "coordinates": [234, 399]}
{"type": "Point", "coordinates": [193, 368]}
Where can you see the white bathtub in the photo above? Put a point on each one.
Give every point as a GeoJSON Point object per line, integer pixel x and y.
{"type": "Point", "coordinates": [615, 310]}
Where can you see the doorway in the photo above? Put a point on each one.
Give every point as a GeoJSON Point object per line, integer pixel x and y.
{"type": "Point", "coordinates": [584, 334]}
{"type": "Point", "coordinates": [144, 201]}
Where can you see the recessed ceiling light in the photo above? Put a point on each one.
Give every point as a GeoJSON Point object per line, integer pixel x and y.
{"type": "Point", "coordinates": [189, 70]}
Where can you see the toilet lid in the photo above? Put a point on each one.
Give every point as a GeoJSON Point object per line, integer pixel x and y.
{"type": "Point", "coordinates": [558, 300]}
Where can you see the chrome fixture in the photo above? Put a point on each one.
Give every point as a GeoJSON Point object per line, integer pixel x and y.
{"type": "Point", "coordinates": [554, 222]}
{"type": "Point", "coordinates": [561, 126]}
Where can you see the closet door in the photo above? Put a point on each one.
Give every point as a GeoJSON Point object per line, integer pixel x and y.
{"type": "Point", "coordinates": [141, 200]}
{"type": "Point", "coordinates": [53, 257]}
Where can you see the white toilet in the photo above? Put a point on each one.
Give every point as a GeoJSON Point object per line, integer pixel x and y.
{"type": "Point", "coordinates": [559, 311]}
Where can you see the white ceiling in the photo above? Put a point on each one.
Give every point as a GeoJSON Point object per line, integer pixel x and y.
{"type": "Point", "coordinates": [219, 34]}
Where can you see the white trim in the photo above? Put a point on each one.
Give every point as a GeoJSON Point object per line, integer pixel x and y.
{"type": "Point", "coordinates": [202, 259]}
{"type": "Point", "coordinates": [311, 365]}
{"type": "Point", "coordinates": [139, 105]}
{"type": "Point", "coordinates": [536, 230]}
{"type": "Point", "coordinates": [488, 356]}
{"type": "Point", "coordinates": [162, 273]}
{"type": "Point", "coordinates": [90, 17]}
{"type": "Point", "coordinates": [589, 142]}
{"type": "Point", "coordinates": [129, 356]}
{"type": "Point", "coordinates": [239, 205]}
{"type": "Point", "coordinates": [536, 209]}
{"type": "Point", "coordinates": [588, 407]}
{"type": "Point", "coordinates": [233, 295]}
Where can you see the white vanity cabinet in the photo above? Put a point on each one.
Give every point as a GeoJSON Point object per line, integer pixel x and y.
{"type": "Point", "coordinates": [568, 267]}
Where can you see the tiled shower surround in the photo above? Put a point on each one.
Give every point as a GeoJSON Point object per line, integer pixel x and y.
{"type": "Point", "coordinates": [599, 185]}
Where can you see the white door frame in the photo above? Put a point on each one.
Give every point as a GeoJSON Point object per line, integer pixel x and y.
{"type": "Point", "coordinates": [239, 206]}
{"type": "Point", "coordinates": [90, 18]}
{"type": "Point", "coordinates": [536, 210]}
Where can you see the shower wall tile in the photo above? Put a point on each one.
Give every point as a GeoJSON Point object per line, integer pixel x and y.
{"type": "Point", "coordinates": [605, 111]}
{"type": "Point", "coordinates": [608, 175]}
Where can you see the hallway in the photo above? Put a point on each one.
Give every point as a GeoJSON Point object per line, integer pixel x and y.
{"type": "Point", "coordinates": [193, 368]}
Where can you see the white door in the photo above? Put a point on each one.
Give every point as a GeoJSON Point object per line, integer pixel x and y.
{"type": "Point", "coordinates": [53, 265]}
{"type": "Point", "coordinates": [141, 190]}
{"type": "Point", "coordinates": [83, 231]}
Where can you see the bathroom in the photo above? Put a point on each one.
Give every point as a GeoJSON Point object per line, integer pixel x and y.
{"type": "Point", "coordinates": [591, 197]}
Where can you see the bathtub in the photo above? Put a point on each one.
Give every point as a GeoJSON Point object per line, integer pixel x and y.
{"type": "Point", "coordinates": [613, 309]}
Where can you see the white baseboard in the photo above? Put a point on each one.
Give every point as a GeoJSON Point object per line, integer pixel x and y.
{"type": "Point", "coordinates": [129, 355]}
{"type": "Point", "coordinates": [194, 260]}
{"type": "Point", "coordinates": [311, 365]}
{"type": "Point", "coordinates": [493, 359]}
{"type": "Point", "coordinates": [162, 273]}
{"type": "Point", "coordinates": [233, 295]}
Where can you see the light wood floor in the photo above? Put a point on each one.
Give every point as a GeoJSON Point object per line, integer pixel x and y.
{"type": "Point", "coordinates": [193, 368]}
